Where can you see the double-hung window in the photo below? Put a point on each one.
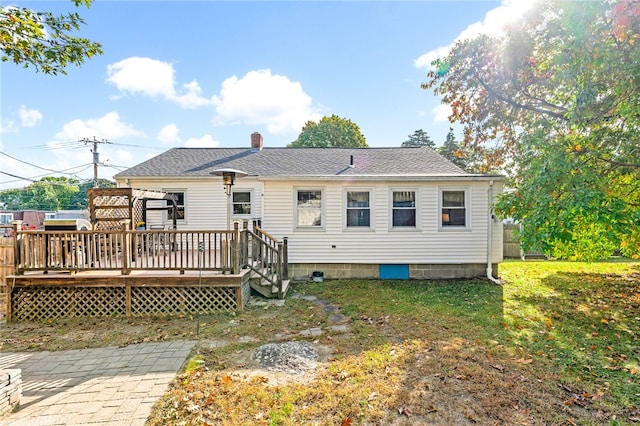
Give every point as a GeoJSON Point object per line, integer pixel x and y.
{"type": "Point", "coordinates": [404, 209]}
{"type": "Point", "coordinates": [358, 209]}
{"type": "Point", "coordinates": [453, 208]}
{"type": "Point", "coordinates": [178, 196]}
{"type": "Point", "coordinates": [241, 203]}
{"type": "Point", "coordinates": [309, 208]}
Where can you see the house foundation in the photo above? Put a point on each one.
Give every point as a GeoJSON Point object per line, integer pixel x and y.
{"type": "Point", "coordinates": [421, 271]}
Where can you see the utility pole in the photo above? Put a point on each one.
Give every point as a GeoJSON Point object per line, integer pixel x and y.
{"type": "Point", "coordinates": [96, 156]}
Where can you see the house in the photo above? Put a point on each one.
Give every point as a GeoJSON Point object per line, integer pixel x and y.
{"type": "Point", "coordinates": [31, 219]}
{"type": "Point", "coordinates": [403, 212]}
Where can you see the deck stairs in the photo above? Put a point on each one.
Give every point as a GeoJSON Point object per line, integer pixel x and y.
{"type": "Point", "coordinates": [265, 282]}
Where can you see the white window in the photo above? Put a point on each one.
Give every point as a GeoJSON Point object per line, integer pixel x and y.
{"type": "Point", "coordinates": [178, 196]}
{"type": "Point", "coordinates": [6, 218]}
{"type": "Point", "coordinates": [358, 212]}
{"type": "Point", "coordinates": [241, 203]}
{"type": "Point", "coordinates": [309, 208]}
{"type": "Point", "coordinates": [453, 208]}
{"type": "Point", "coordinates": [48, 216]}
{"type": "Point", "coordinates": [403, 209]}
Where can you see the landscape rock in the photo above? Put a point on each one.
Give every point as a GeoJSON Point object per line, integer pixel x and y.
{"type": "Point", "coordinates": [289, 357]}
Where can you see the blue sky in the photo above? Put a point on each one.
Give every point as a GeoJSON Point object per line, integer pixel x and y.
{"type": "Point", "coordinates": [209, 73]}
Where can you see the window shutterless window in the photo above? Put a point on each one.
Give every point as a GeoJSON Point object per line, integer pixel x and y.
{"type": "Point", "coordinates": [404, 209]}
{"type": "Point", "coordinates": [6, 218]}
{"type": "Point", "coordinates": [309, 207]}
{"type": "Point", "coordinates": [358, 209]}
{"type": "Point", "coordinates": [454, 211]}
{"type": "Point", "coordinates": [241, 202]}
{"type": "Point", "coordinates": [179, 198]}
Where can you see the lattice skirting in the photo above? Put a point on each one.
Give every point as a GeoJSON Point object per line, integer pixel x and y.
{"type": "Point", "coordinates": [166, 301]}
{"type": "Point", "coordinates": [38, 303]}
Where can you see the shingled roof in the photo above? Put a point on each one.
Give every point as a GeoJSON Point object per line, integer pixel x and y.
{"type": "Point", "coordinates": [281, 162]}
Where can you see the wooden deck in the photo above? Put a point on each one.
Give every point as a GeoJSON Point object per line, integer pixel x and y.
{"type": "Point", "coordinates": [142, 273]}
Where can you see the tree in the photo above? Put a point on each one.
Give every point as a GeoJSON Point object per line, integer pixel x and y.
{"type": "Point", "coordinates": [419, 138]}
{"type": "Point", "coordinates": [50, 193]}
{"type": "Point", "coordinates": [451, 150]}
{"type": "Point", "coordinates": [330, 132]}
{"type": "Point", "coordinates": [43, 40]}
{"type": "Point", "coordinates": [556, 98]}
{"type": "Point", "coordinates": [80, 201]}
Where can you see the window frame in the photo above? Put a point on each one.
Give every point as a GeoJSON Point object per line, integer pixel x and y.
{"type": "Point", "coordinates": [467, 208]}
{"type": "Point", "coordinates": [346, 208]}
{"type": "Point", "coordinates": [233, 203]}
{"type": "Point", "coordinates": [416, 209]}
{"type": "Point", "coordinates": [10, 215]}
{"type": "Point", "coordinates": [183, 206]}
{"type": "Point", "coordinates": [296, 209]}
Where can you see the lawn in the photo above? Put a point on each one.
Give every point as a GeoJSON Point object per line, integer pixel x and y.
{"type": "Point", "coordinates": [557, 344]}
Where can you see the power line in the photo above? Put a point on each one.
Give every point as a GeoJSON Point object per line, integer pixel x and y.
{"type": "Point", "coordinates": [32, 178]}
{"type": "Point", "coordinates": [33, 165]}
{"type": "Point", "coordinates": [96, 156]}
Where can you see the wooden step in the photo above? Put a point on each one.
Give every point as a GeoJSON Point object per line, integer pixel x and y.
{"type": "Point", "coordinates": [268, 290]}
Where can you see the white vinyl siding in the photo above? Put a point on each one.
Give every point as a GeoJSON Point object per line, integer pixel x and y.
{"type": "Point", "coordinates": [382, 244]}
{"type": "Point", "coordinates": [275, 202]}
{"type": "Point", "coordinates": [206, 201]}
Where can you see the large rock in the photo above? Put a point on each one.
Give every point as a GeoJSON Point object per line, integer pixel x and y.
{"type": "Point", "coordinates": [288, 357]}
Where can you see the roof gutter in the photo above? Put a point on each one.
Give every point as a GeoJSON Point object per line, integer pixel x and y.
{"type": "Point", "coordinates": [413, 178]}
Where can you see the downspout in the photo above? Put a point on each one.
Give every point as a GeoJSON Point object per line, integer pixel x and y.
{"type": "Point", "coordinates": [490, 235]}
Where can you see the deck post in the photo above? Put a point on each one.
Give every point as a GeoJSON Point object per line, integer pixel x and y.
{"type": "Point", "coordinates": [126, 242]}
{"type": "Point", "coordinates": [235, 252]}
{"type": "Point", "coordinates": [245, 243]}
{"type": "Point", "coordinates": [285, 258]}
{"type": "Point", "coordinates": [17, 242]}
{"type": "Point", "coordinates": [279, 268]}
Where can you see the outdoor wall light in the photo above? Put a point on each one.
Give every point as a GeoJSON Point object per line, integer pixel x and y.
{"type": "Point", "coordinates": [229, 177]}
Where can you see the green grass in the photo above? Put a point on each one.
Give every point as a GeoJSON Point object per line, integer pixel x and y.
{"type": "Point", "coordinates": [558, 343]}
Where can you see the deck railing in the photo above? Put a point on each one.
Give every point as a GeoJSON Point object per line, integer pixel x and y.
{"type": "Point", "coordinates": [228, 251]}
{"type": "Point", "coordinates": [126, 250]}
{"type": "Point", "coordinates": [269, 257]}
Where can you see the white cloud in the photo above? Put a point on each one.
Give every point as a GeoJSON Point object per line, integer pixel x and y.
{"type": "Point", "coordinates": [108, 127]}
{"type": "Point", "coordinates": [192, 98]}
{"type": "Point", "coordinates": [123, 156]}
{"type": "Point", "coordinates": [29, 117]}
{"type": "Point", "coordinates": [493, 24]}
{"type": "Point", "coordinates": [441, 113]}
{"type": "Point", "coordinates": [142, 75]}
{"type": "Point", "coordinates": [205, 141]}
{"type": "Point", "coordinates": [150, 77]}
{"type": "Point", "coordinates": [260, 98]}
{"type": "Point", "coordinates": [168, 135]}
{"type": "Point", "coordinates": [8, 126]}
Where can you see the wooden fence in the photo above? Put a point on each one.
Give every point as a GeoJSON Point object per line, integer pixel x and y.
{"type": "Point", "coordinates": [6, 269]}
{"type": "Point", "coordinates": [511, 244]}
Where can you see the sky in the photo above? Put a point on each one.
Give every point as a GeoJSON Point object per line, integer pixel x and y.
{"type": "Point", "coordinates": [210, 73]}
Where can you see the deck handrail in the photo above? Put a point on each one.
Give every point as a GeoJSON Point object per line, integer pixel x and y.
{"type": "Point", "coordinates": [125, 250]}
{"type": "Point", "coordinates": [268, 257]}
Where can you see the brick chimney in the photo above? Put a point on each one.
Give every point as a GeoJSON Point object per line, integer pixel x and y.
{"type": "Point", "coordinates": [256, 141]}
